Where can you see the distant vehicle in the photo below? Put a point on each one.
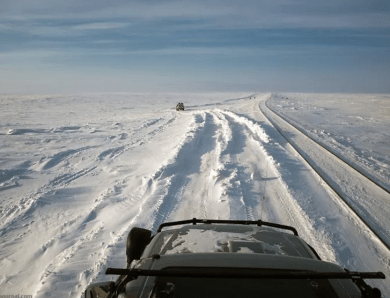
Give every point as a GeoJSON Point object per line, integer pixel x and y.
{"type": "Point", "coordinates": [180, 106]}
{"type": "Point", "coordinates": [228, 258]}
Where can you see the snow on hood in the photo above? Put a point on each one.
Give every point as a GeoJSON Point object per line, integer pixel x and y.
{"type": "Point", "coordinates": [203, 241]}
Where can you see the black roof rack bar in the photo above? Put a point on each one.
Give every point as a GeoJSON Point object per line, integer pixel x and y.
{"type": "Point", "coordinates": [226, 272]}
{"type": "Point", "coordinates": [260, 223]}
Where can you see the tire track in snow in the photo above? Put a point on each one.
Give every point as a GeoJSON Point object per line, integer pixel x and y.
{"type": "Point", "coordinates": [60, 157]}
{"type": "Point", "coordinates": [164, 183]}
{"type": "Point", "coordinates": [33, 216]}
{"type": "Point", "coordinates": [255, 134]}
{"type": "Point", "coordinates": [243, 201]}
{"type": "Point", "coordinates": [359, 167]}
{"type": "Point", "coordinates": [244, 134]}
{"type": "Point", "coordinates": [175, 176]}
{"type": "Point", "coordinates": [202, 196]}
{"type": "Point", "coordinates": [37, 218]}
{"type": "Point", "coordinates": [27, 205]}
{"type": "Point", "coordinates": [161, 191]}
{"type": "Point", "coordinates": [143, 199]}
{"type": "Point", "coordinates": [333, 217]}
{"type": "Point", "coordinates": [71, 254]}
{"type": "Point", "coordinates": [212, 166]}
{"type": "Point", "coordinates": [41, 197]}
{"type": "Point", "coordinates": [81, 234]}
{"type": "Point", "coordinates": [229, 170]}
{"type": "Point", "coordinates": [358, 207]}
{"type": "Point", "coordinates": [220, 189]}
{"type": "Point", "coordinates": [113, 153]}
{"type": "Point", "coordinates": [224, 185]}
{"type": "Point", "coordinates": [285, 208]}
{"type": "Point", "coordinates": [156, 198]}
{"type": "Point", "coordinates": [67, 178]}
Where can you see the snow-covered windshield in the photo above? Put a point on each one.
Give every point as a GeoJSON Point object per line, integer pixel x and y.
{"type": "Point", "coordinates": [250, 240]}
{"type": "Point", "coordinates": [197, 241]}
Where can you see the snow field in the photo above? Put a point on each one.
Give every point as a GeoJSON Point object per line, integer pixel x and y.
{"type": "Point", "coordinates": [75, 180]}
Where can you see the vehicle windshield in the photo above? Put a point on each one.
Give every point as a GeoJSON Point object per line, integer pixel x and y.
{"type": "Point", "coordinates": [180, 287]}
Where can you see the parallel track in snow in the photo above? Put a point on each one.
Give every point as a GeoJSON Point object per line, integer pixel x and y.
{"type": "Point", "coordinates": [369, 222]}
{"type": "Point", "coordinates": [340, 157]}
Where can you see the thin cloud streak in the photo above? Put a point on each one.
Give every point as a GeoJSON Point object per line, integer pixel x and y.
{"type": "Point", "coordinates": [246, 14]}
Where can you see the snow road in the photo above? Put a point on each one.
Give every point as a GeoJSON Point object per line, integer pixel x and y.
{"type": "Point", "coordinates": [71, 190]}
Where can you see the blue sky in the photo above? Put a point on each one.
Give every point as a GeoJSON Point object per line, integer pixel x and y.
{"type": "Point", "coordinates": [58, 46]}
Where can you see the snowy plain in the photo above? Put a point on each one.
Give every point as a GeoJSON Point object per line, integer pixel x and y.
{"type": "Point", "coordinates": [78, 171]}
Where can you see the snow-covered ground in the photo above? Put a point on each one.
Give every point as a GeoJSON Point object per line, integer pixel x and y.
{"type": "Point", "coordinates": [77, 172]}
{"type": "Point", "coordinates": [353, 126]}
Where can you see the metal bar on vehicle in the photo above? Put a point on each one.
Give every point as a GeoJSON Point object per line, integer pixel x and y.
{"type": "Point", "coordinates": [194, 221]}
{"type": "Point", "coordinates": [255, 273]}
